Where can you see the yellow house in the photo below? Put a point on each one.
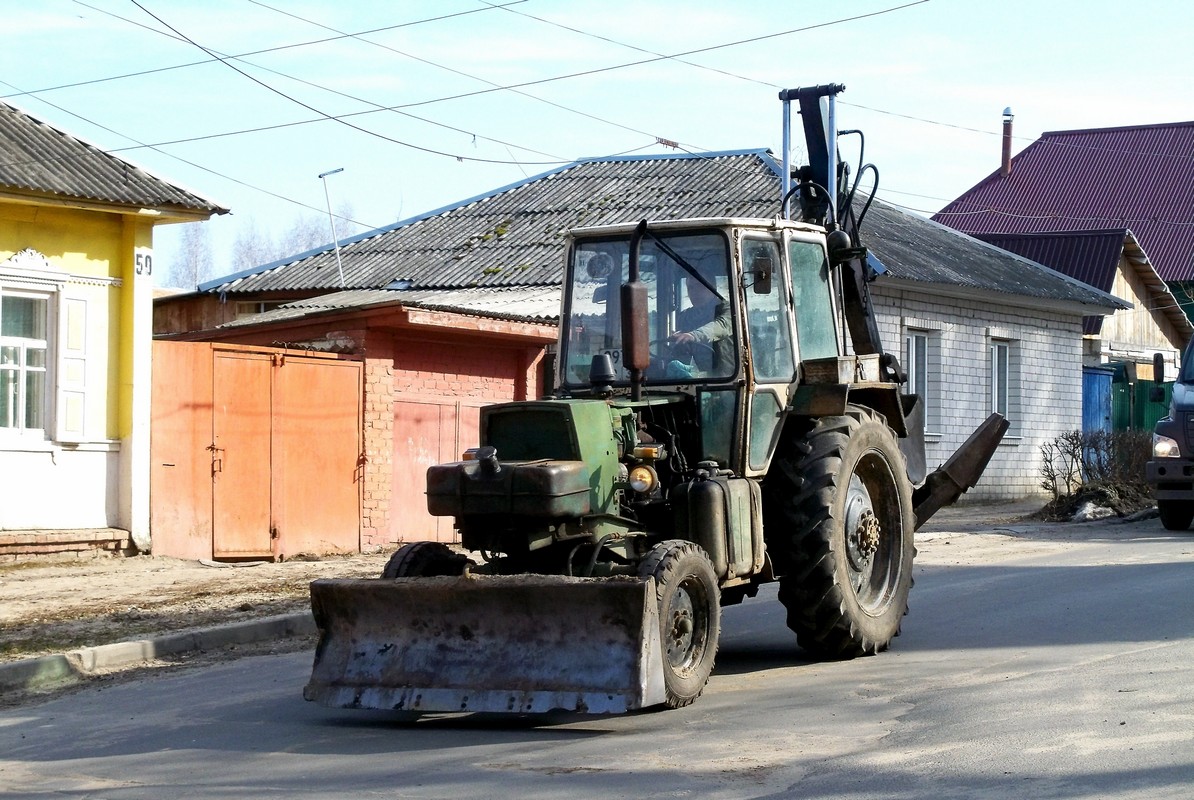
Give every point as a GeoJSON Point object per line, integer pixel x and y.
{"type": "Point", "coordinates": [76, 316]}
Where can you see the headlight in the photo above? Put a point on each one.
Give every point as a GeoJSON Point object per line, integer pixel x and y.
{"type": "Point", "coordinates": [643, 479]}
{"type": "Point", "coordinates": [1164, 447]}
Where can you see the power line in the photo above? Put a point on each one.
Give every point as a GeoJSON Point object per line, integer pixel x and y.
{"type": "Point", "coordinates": [340, 119]}
{"type": "Point", "coordinates": [455, 71]}
{"type": "Point", "coordinates": [157, 149]}
{"type": "Point", "coordinates": [238, 55]}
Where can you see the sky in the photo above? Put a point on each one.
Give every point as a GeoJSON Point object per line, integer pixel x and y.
{"type": "Point", "coordinates": [425, 103]}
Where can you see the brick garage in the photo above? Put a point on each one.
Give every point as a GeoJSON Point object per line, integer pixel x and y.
{"type": "Point", "coordinates": [427, 373]}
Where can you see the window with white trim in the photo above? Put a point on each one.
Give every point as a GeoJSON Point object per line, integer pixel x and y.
{"type": "Point", "coordinates": [24, 358]}
{"type": "Point", "coordinates": [46, 356]}
{"type": "Point", "coordinates": [921, 362]}
{"type": "Point", "coordinates": [1004, 369]}
{"type": "Point", "coordinates": [1001, 377]}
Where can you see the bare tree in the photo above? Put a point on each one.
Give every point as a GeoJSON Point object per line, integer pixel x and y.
{"type": "Point", "coordinates": [252, 248]}
{"type": "Point", "coordinates": [194, 261]}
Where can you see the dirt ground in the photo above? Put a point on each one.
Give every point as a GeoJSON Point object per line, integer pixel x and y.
{"type": "Point", "coordinates": [53, 606]}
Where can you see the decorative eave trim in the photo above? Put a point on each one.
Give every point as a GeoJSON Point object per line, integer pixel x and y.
{"type": "Point", "coordinates": [31, 266]}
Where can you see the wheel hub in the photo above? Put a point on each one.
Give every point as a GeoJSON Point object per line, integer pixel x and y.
{"type": "Point", "coordinates": [680, 630]}
{"type": "Point", "coordinates": [862, 527]}
{"type": "Point", "coordinates": [867, 534]}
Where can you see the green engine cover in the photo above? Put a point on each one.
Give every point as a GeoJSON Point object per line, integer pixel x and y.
{"type": "Point", "coordinates": [558, 458]}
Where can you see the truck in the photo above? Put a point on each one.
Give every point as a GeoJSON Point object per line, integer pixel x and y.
{"type": "Point", "coordinates": [711, 430]}
{"type": "Point", "coordinates": [1170, 472]}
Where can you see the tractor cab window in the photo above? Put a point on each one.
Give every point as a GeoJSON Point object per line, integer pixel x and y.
{"type": "Point", "coordinates": [690, 307]}
{"type": "Point", "coordinates": [816, 330]}
{"type": "Point", "coordinates": [766, 312]}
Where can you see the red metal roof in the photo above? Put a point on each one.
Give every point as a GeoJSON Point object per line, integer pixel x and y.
{"type": "Point", "coordinates": [1139, 177]}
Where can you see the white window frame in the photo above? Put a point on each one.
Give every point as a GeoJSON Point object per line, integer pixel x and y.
{"type": "Point", "coordinates": [1003, 372]}
{"type": "Point", "coordinates": [924, 374]}
{"type": "Point", "coordinates": [1000, 368]}
{"type": "Point", "coordinates": [20, 428]}
{"type": "Point", "coordinates": [70, 385]}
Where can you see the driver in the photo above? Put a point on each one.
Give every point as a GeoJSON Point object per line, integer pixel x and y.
{"type": "Point", "coordinates": [705, 322]}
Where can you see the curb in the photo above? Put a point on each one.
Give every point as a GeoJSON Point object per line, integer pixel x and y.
{"type": "Point", "coordinates": [64, 669]}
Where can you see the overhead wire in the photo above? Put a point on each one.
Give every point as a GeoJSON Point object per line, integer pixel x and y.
{"type": "Point", "coordinates": [262, 51]}
{"type": "Point", "coordinates": [215, 56]}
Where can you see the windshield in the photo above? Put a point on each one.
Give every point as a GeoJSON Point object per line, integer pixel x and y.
{"type": "Point", "coordinates": [690, 321]}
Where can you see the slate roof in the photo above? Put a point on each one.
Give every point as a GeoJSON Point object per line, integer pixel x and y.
{"type": "Point", "coordinates": [40, 159]}
{"type": "Point", "coordinates": [514, 235]}
{"type": "Point", "coordinates": [1139, 177]}
{"type": "Point", "coordinates": [538, 304]}
{"type": "Point", "coordinates": [1094, 257]}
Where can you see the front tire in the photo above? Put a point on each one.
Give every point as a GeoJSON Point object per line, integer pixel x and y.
{"type": "Point", "coordinates": [424, 560]}
{"type": "Point", "coordinates": [845, 499]}
{"type": "Point", "coordinates": [1176, 515]}
{"type": "Point", "coordinates": [689, 616]}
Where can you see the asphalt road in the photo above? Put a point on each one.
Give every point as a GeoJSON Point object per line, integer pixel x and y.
{"type": "Point", "coordinates": [1036, 662]}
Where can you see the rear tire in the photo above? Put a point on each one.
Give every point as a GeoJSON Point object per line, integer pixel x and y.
{"type": "Point", "coordinates": [689, 616]}
{"type": "Point", "coordinates": [846, 501]}
{"type": "Point", "coordinates": [424, 560]}
{"type": "Point", "coordinates": [1176, 515]}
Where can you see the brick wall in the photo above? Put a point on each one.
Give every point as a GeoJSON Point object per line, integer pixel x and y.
{"type": "Point", "coordinates": [398, 368]}
{"type": "Point", "coordinates": [378, 441]}
{"type": "Point", "coordinates": [1045, 378]}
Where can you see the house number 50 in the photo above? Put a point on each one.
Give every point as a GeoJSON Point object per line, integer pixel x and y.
{"type": "Point", "coordinates": [143, 263]}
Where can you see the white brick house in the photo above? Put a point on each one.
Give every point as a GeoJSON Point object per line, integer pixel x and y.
{"type": "Point", "coordinates": [1003, 334]}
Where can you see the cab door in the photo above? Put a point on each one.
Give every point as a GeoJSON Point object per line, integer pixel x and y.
{"type": "Point", "coordinates": [772, 352]}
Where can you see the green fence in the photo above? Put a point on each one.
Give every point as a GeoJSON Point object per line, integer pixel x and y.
{"type": "Point", "coordinates": [1132, 410]}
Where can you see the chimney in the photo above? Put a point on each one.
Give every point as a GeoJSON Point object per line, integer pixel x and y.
{"type": "Point", "coordinates": [1005, 168]}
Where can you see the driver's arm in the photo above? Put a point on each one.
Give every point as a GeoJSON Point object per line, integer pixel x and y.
{"type": "Point", "coordinates": [719, 327]}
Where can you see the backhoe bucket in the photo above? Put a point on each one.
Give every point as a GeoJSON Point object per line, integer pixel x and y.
{"type": "Point", "coordinates": [523, 644]}
{"type": "Point", "coordinates": [961, 472]}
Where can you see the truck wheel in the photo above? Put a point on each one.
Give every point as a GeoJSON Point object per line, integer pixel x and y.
{"type": "Point", "coordinates": [424, 560]}
{"type": "Point", "coordinates": [1176, 515]}
{"type": "Point", "coordinates": [689, 616]}
{"type": "Point", "coordinates": [848, 510]}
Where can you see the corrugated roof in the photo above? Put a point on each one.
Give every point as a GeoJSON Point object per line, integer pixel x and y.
{"type": "Point", "coordinates": [514, 236]}
{"type": "Point", "coordinates": [40, 159]}
{"type": "Point", "coordinates": [1139, 177]}
{"type": "Point", "coordinates": [1093, 257]}
{"type": "Point", "coordinates": [916, 249]}
{"type": "Point", "coordinates": [540, 304]}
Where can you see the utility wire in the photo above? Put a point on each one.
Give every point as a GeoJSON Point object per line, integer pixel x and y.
{"type": "Point", "coordinates": [340, 119]}
{"type": "Point", "coordinates": [238, 55]}
{"type": "Point", "coordinates": [189, 163]}
{"type": "Point", "coordinates": [455, 71]}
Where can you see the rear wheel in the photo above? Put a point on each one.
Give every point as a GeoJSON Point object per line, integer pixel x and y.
{"type": "Point", "coordinates": [844, 497]}
{"type": "Point", "coordinates": [689, 616]}
{"type": "Point", "coordinates": [1176, 515]}
{"type": "Point", "coordinates": [424, 560]}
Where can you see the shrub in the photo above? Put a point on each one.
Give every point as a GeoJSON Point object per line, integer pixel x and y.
{"type": "Point", "coordinates": [1100, 462]}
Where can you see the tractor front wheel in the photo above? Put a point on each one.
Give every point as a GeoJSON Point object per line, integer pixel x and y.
{"type": "Point", "coordinates": [689, 616]}
{"type": "Point", "coordinates": [424, 560]}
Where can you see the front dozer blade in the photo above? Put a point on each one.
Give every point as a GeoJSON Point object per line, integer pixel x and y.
{"type": "Point", "coordinates": [523, 644]}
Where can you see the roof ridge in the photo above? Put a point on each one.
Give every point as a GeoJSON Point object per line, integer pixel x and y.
{"type": "Point", "coordinates": [1118, 128]}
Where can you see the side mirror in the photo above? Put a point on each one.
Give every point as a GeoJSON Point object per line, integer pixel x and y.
{"type": "Point", "coordinates": [636, 344]}
{"type": "Point", "coordinates": [1156, 394]}
{"type": "Point", "coordinates": [762, 268]}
